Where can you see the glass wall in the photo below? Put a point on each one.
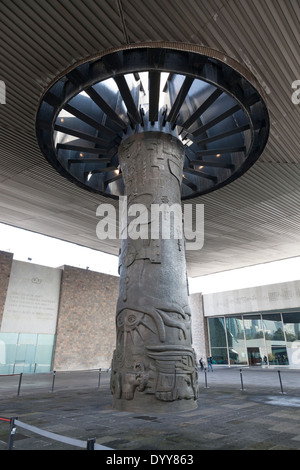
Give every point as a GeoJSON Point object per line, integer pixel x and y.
{"type": "Point", "coordinates": [218, 340]}
{"type": "Point", "coordinates": [291, 322]}
{"type": "Point", "coordinates": [275, 341]}
{"type": "Point", "coordinates": [269, 339]}
{"type": "Point", "coordinates": [26, 353]}
{"type": "Point", "coordinates": [255, 342]}
{"type": "Point", "coordinates": [236, 340]}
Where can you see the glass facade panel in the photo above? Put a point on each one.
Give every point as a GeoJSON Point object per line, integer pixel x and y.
{"type": "Point", "coordinates": [25, 353]}
{"type": "Point", "coordinates": [254, 333]}
{"type": "Point", "coordinates": [236, 340]}
{"type": "Point", "coordinates": [291, 323]}
{"type": "Point", "coordinates": [275, 340]}
{"type": "Point", "coordinates": [219, 356]}
{"type": "Point", "coordinates": [24, 361]}
{"type": "Point", "coordinates": [269, 339]}
{"type": "Point", "coordinates": [44, 351]}
{"type": "Point", "coordinates": [292, 327]}
{"type": "Point", "coordinates": [8, 350]}
{"type": "Point", "coordinates": [217, 332]}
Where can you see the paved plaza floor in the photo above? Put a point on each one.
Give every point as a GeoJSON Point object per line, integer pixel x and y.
{"type": "Point", "coordinates": [247, 409]}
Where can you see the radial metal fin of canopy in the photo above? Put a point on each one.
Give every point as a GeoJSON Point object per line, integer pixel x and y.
{"type": "Point", "coordinates": [213, 108]}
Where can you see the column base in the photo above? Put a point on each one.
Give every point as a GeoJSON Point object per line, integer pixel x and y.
{"type": "Point", "coordinates": [150, 404]}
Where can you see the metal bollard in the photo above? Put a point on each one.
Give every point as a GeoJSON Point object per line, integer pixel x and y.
{"type": "Point", "coordinates": [281, 388]}
{"type": "Point", "coordinates": [90, 445]}
{"type": "Point", "coordinates": [99, 377]}
{"type": "Point", "coordinates": [242, 384]}
{"type": "Point", "coordinates": [20, 381]}
{"type": "Point", "coordinates": [53, 380]}
{"type": "Point", "coordinates": [205, 376]}
{"type": "Point", "coordinates": [12, 433]}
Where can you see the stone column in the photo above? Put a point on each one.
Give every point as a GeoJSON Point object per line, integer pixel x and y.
{"type": "Point", "coordinates": [154, 366]}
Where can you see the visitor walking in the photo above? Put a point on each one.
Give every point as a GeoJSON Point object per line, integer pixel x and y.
{"type": "Point", "coordinates": [209, 364]}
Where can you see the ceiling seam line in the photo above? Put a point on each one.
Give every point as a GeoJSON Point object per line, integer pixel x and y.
{"type": "Point", "coordinates": [122, 20]}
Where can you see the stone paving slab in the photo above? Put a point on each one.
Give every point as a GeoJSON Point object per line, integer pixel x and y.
{"type": "Point", "coordinates": [227, 418]}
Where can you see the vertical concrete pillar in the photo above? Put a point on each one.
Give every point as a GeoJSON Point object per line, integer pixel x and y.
{"type": "Point", "coordinates": [199, 327]}
{"type": "Point", "coordinates": [6, 260]}
{"type": "Point", "coordinates": [153, 365]}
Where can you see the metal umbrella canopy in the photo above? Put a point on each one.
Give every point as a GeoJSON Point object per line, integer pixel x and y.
{"type": "Point", "coordinates": [205, 99]}
{"type": "Point", "coordinates": [139, 121]}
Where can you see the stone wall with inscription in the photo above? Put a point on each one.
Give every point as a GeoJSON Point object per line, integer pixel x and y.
{"type": "Point", "coordinates": [32, 299]}
{"type": "Point", "coordinates": [255, 299]}
{"type": "Point", "coordinates": [86, 322]}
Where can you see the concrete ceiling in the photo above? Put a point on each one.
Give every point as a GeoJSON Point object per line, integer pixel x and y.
{"type": "Point", "coordinates": [255, 219]}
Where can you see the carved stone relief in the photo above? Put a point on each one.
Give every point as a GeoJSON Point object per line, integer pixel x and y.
{"type": "Point", "coordinates": [154, 363]}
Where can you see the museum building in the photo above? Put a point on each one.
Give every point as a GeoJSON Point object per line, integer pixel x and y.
{"type": "Point", "coordinates": [255, 326]}
{"type": "Point", "coordinates": [64, 319]}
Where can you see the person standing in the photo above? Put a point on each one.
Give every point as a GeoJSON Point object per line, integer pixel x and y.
{"type": "Point", "coordinates": [209, 363]}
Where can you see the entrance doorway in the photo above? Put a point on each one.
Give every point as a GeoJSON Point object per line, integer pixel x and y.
{"type": "Point", "coordinates": [254, 357]}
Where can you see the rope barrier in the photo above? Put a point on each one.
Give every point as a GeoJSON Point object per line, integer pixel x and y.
{"type": "Point", "coordinates": [8, 375]}
{"type": "Point", "coordinates": [54, 374]}
{"type": "Point", "coordinates": [58, 437]}
{"type": "Point", "coordinates": [4, 419]}
{"type": "Point", "coordinates": [90, 444]}
{"type": "Point", "coordinates": [249, 371]}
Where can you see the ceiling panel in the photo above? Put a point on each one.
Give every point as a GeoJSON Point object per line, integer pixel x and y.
{"type": "Point", "coordinates": [256, 218]}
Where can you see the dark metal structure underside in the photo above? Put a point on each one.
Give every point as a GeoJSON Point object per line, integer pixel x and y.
{"type": "Point", "coordinates": [216, 112]}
